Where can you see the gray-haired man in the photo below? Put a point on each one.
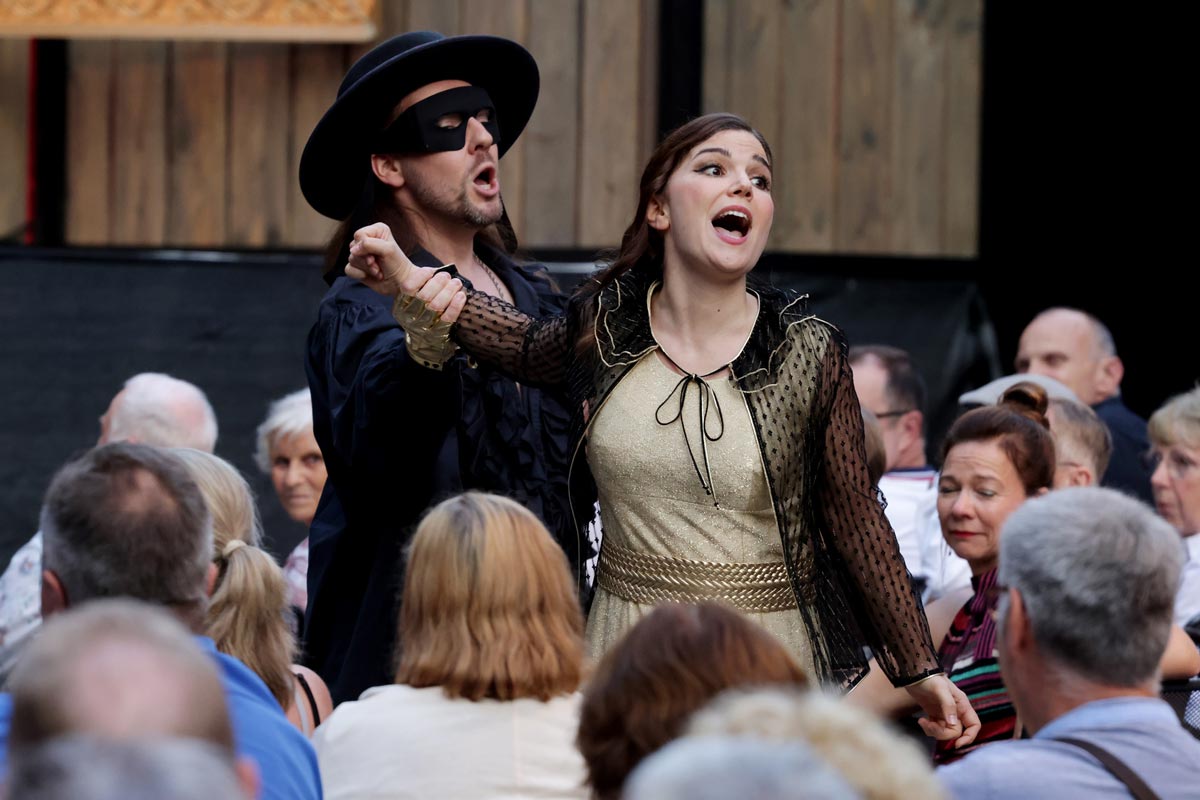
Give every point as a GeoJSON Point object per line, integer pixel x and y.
{"type": "Point", "coordinates": [1080, 639]}
{"type": "Point", "coordinates": [151, 408]}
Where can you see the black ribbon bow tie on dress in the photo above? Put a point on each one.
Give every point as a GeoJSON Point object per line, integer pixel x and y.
{"type": "Point", "coordinates": [708, 402]}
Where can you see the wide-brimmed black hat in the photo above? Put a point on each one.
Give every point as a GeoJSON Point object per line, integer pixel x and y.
{"type": "Point", "coordinates": [334, 165]}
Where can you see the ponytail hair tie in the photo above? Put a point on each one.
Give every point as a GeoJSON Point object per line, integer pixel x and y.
{"type": "Point", "coordinates": [233, 545]}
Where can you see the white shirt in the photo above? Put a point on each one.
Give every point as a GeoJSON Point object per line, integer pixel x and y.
{"type": "Point", "coordinates": [400, 742]}
{"type": "Point", "coordinates": [911, 496]}
{"type": "Point", "coordinates": [21, 594]}
{"type": "Point", "coordinates": [1187, 601]}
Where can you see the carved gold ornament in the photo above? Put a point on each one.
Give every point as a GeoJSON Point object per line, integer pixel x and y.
{"type": "Point", "coordinates": [273, 20]}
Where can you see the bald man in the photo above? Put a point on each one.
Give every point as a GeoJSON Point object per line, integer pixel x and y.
{"type": "Point", "coordinates": [1076, 349]}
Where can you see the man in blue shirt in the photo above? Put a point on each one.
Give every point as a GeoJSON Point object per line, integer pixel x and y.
{"type": "Point", "coordinates": [126, 520]}
{"type": "Point", "coordinates": [1089, 579]}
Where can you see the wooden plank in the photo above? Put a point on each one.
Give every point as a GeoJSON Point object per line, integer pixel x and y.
{"type": "Point", "coordinates": [918, 114]}
{"type": "Point", "coordinates": [198, 144]}
{"type": "Point", "coordinates": [14, 135]}
{"type": "Point", "coordinates": [806, 151]}
{"type": "Point", "coordinates": [648, 66]}
{"type": "Point", "coordinates": [716, 70]}
{"type": "Point", "coordinates": [316, 73]}
{"type": "Point", "coordinates": [258, 145]}
{"type": "Point", "coordinates": [552, 138]}
{"type": "Point", "coordinates": [434, 15]}
{"type": "Point", "coordinates": [963, 80]}
{"type": "Point", "coordinates": [864, 221]}
{"type": "Point", "coordinates": [139, 164]}
{"type": "Point", "coordinates": [609, 166]}
{"type": "Point", "coordinates": [509, 19]}
{"type": "Point", "coordinates": [393, 18]}
{"type": "Point", "coordinates": [754, 85]}
{"type": "Point", "coordinates": [89, 143]}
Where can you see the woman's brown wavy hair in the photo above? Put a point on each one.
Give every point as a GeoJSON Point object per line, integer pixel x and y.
{"type": "Point", "coordinates": [671, 663]}
{"type": "Point", "coordinates": [489, 606]}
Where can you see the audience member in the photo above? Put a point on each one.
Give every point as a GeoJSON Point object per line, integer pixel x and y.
{"type": "Point", "coordinates": [843, 736]}
{"type": "Point", "coordinates": [248, 609]}
{"type": "Point", "coordinates": [715, 768]}
{"type": "Point", "coordinates": [1079, 642]}
{"type": "Point", "coordinates": [1082, 443]}
{"type": "Point", "coordinates": [151, 408]}
{"type": "Point", "coordinates": [288, 452]}
{"type": "Point", "coordinates": [990, 393]}
{"type": "Point", "coordinates": [485, 702]}
{"type": "Point", "coordinates": [876, 452]}
{"type": "Point", "coordinates": [996, 457]}
{"type": "Point", "coordinates": [1175, 452]}
{"type": "Point", "coordinates": [126, 520]}
{"type": "Point", "coordinates": [1077, 349]}
{"type": "Point", "coordinates": [84, 768]}
{"type": "Point", "coordinates": [669, 664]}
{"type": "Point", "coordinates": [890, 387]}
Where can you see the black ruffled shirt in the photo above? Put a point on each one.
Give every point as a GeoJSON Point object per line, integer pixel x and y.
{"type": "Point", "coordinates": [398, 437]}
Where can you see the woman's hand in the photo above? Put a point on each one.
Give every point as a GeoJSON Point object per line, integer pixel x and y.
{"type": "Point", "coordinates": [377, 261]}
{"type": "Point", "coordinates": [949, 712]}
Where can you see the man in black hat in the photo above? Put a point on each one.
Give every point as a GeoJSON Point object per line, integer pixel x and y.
{"type": "Point", "coordinates": [414, 139]}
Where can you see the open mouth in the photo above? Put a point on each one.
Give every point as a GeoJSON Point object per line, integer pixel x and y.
{"type": "Point", "coordinates": [732, 224]}
{"type": "Point", "coordinates": [485, 179]}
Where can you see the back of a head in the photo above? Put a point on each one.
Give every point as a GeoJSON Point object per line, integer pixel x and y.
{"type": "Point", "coordinates": [116, 669]}
{"type": "Point", "coordinates": [718, 768]}
{"type": "Point", "coordinates": [844, 736]}
{"type": "Point", "coordinates": [1019, 423]}
{"type": "Point", "coordinates": [163, 411]}
{"type": "Point", "coordinates": [489, 607]}
{"type": "Point", "coordinates": [1097, 572]}
{"type": "Point", "coordinates": [876, 450]}
{"type": "Point", "coordinates": [905, 386]}
{"type": "Point", "coordinates": [84, 768]}
{"type": "Point", "coordinates": [126, 520]}
{"type": "Point", "coordinates": [672, 662]}
{"type": "Point", "coordinates": [1080, 434]}
{"type": "Point", "coordinates": [247, 612]}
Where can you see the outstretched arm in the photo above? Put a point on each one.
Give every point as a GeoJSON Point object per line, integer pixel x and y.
{"type": "Point", "coordinates": [532, 351]}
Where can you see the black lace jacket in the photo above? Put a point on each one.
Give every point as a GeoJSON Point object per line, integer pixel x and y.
{"type": "Point", "coordinates": [845, 567]}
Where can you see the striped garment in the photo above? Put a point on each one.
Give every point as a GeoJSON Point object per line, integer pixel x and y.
{"type": "Point", "coordinates": [968, 655]}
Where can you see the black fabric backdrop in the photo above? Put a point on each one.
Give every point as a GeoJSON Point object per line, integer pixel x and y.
{"type": "Point", "coordinates": [76, 325]}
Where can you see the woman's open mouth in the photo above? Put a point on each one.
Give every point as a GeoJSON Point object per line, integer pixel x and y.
{"type": "Point", "coordinates": [733, 224]}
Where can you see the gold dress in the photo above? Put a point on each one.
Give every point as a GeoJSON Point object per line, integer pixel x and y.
{"type": "Point", "coordinates": [685, 519]}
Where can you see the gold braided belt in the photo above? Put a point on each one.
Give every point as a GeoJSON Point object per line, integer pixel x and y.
{"type": "Point", "coordinates": [647, 579]}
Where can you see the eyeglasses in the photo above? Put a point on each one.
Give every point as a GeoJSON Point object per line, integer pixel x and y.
{"type": "Point", "coordinates": [1179, 463]}
{"type": "Point", "coordinates": [899, 413]}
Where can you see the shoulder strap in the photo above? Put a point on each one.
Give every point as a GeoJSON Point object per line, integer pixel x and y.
{"type": "Point", "coordinates": [1120, 770]}
{"type": "Point", "coordinates": [312, 701]}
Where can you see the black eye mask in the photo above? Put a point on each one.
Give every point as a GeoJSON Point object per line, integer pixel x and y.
{"type": "Point", "coordinates": [417, 129]}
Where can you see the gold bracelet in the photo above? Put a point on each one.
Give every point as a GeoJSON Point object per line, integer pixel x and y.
{"type": "Point", "coordinates": [427, 336]}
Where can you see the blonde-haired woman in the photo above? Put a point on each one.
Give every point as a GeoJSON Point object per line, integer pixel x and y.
{"type": "Point", "coordinates": [485, 703]}
{"type": "Point", "coordinates": [1174, 432]}
{"type": "Point", "coordinates": [248, 609]}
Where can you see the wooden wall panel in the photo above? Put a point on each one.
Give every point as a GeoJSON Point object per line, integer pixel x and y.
{"type": "Point", "coordinates": [258, 145]}
{"type": "Point", "coordinates": [963, 79]}
{"type": "Point", "coordinates": [14, 137]}
{"type": "Point", "coordinates": [864, 211]}
{"type": "Point", "coordinates": [551, 193]}
{"type": "Point", "coordinates": [139, 148]}
{"type": "Point", "coordinates": [918, 124]}
{"type": "Point", "coordinates": [316, 73]}
{"type": "Point", "coordinates": [609, 140]}
{"type": "Point", "coordinates": [89, 209]}
{"type": "Point", "coordinates": [805, 166]}
{"type": "Point", "coordinates": [196, 156]}
{"type": "Point", "coordinates": [872, 107]}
